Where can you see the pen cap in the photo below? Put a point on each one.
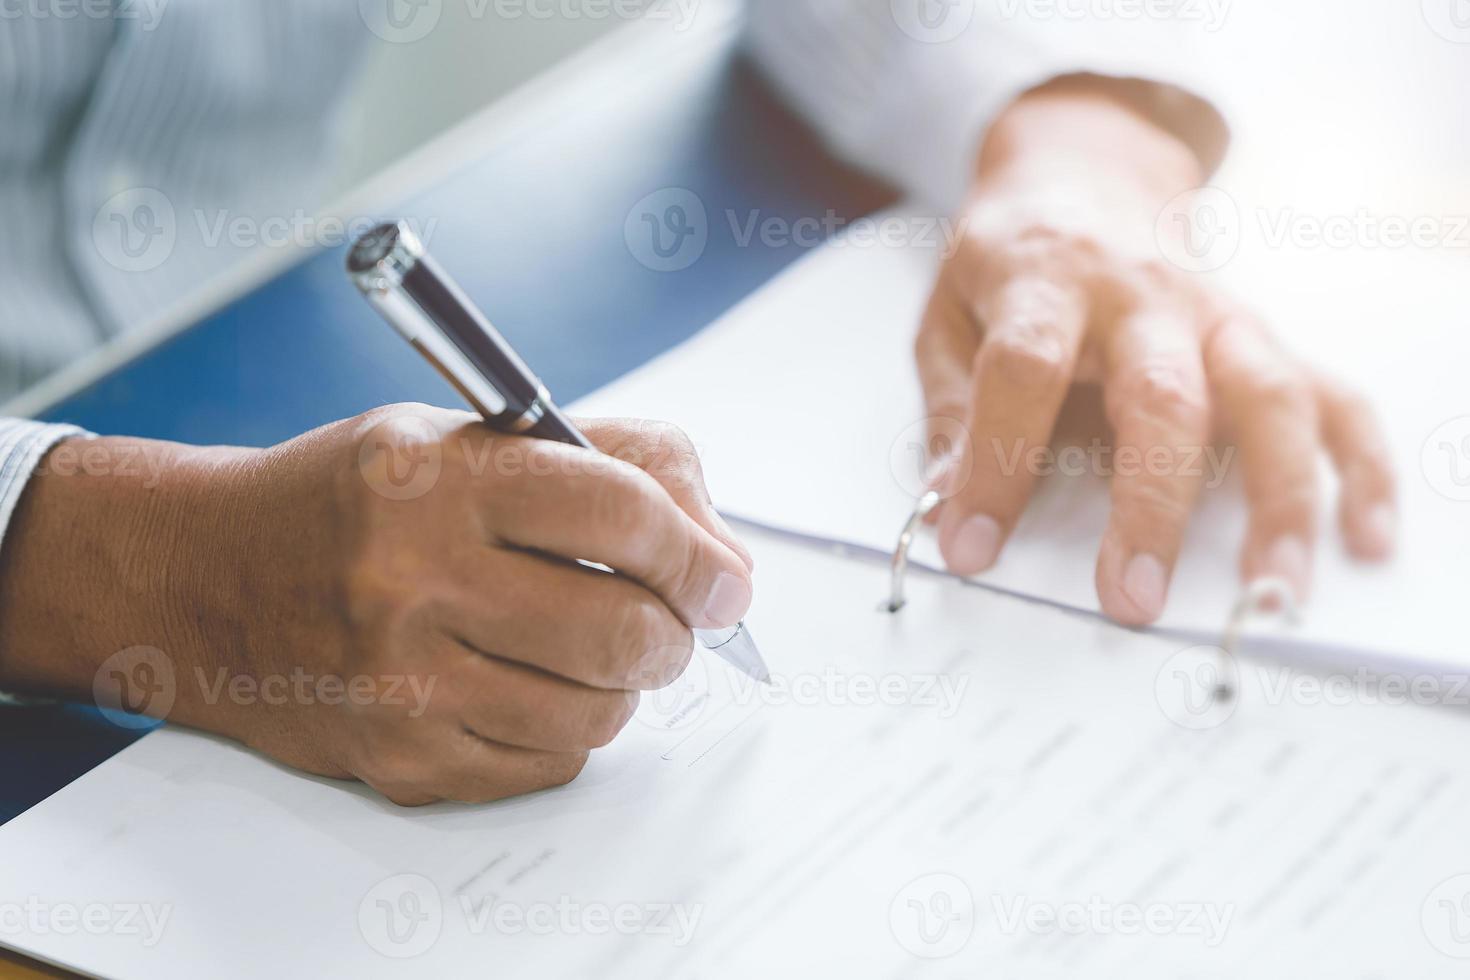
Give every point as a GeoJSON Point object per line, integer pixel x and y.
{"type": "Point", "coordinates": [392, 268]}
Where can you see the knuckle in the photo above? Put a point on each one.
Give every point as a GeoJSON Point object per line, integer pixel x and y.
{"type": "Point", "coordinates": [1036, 305]}
{"type": "Point", "coordinates": [384, 413]}
{"type": "Point", "coordinates": [675, 460]}
{"type": "Point", "coordinates": [1282, 390]}
{"type": "Point", "coordinates": [400, 778]}
{"type": "Point", "coordinates": [604, 716]}
{"type": "Point", "coordinates": [643, 441]}
{"type": "Point", "coordinates": [632, 631]}
{"type": "Point", "coordinates": [1233, 331]}
{"type": "Point", "coordinates": [1157, 282]}
{"type": "Point", "coordinates": [1168, 391]}
{"type": "Point", "coordinates": [1052, 246]}
{"type": "Point", "coordinates": [1281, 498]}
{"type": "Point", "coordinates": [407, 797]}
{"type": "Point", "coordinates": [665, 664]}
{"type": "Point", "coordinates": [669, 438]}
{"type": "Point", "coordinates": [381, 596]}
{"type": "Point", "coordinates": [559, 769]}
{"type": "Point", "coordinates": [1027, 355]}
{"type": "Point", "coordinates": [1277, 519]}
{"type": "Point", "coordinates": [1347, 403]}
{"type": "Point", "coordinates": [1150, 504]}
{"type": "Point", "coordinates": [1156, 273]}
{"type": "Point", "coordinates": [648, 637]}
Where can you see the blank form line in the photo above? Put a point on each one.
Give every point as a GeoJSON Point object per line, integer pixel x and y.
{"type": "Point", "coordinates": [732, 730]}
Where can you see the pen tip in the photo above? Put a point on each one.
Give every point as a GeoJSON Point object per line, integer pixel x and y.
{"type": "Point", "coordinates": [740, 652]}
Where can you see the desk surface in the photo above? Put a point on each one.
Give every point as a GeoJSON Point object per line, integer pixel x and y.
{"type": "Point", "coordinates": [535, 230]}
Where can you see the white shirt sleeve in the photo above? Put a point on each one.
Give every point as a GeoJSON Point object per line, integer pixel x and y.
{"type": "Point", "coordinates": [22, 445]}
{"type": "Point", "coordinates": [906, 88]}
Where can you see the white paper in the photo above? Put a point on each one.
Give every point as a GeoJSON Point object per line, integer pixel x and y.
{"type": "Point", "coordinates": [930, 784]}
{"type": "Point", "coordinates": [806, 410]}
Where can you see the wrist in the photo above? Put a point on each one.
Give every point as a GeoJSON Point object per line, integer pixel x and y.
{"type": "Point", "coordinates": [116, 543]}
{"type": "Point", "coordinates": [1084, 129]}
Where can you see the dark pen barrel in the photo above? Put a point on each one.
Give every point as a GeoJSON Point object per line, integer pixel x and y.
{"type": "Point", "coordinates": [556, 426]}
{"type": "Point", "coordinates": [443, 302]}
{"type": "Point", "coordinates": [391, 268]}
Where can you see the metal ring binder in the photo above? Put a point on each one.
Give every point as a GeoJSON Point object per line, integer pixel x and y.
{"type": "Point", "coordinates": [926, 505]}
{"type": "Point", "coordinates": [1261, 596]}
{"type": "Point", "coordinates": [1265, 595]}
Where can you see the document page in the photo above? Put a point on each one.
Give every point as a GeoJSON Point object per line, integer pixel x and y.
{"type": "Point", "coordinates": [806, 409]}
{"type": "Point", "coordinates": [975, 786]}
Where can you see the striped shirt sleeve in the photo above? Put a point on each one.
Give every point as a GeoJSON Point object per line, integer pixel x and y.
{"type": "Point", "coordinates": [23, 444]}
{"type": "Point", "coordinates": [906, 88]}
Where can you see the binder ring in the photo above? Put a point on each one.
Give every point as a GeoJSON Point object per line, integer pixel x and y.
{"type": "Point", "coordinates": [1262, 596]}
{"type": "Point", "coordinates": [926, 505]}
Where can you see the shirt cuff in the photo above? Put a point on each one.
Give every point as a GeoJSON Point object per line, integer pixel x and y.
{"type": "Point", "coordinates": [23, 444]}
{"type": "Point", "coordinates": [912, 107]}
{"type": "Point", "coordinates": [944, 176]}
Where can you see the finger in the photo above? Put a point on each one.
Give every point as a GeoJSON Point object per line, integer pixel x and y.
{"type": "Point", "coordinates": [1021, 375]}
{"type": "Point", "coordinates": [665, 452]}
{"type": "Point", "coordinates": [1272, 412]}
{"type": "Point", "coordinates": [1158, 405]}
{"type": "Point", "coordinates": [945, 348]}
{"type": "Point", "coordinates": [479, 771]}
{"type": "Point", "coordinates": [456, 764]}
{"type": "Point", "coordinates": [580, 504]}
{"type": "Point", "coordinates": [944, 352]}
{"type": "Point", "coordinates": [579, 623]}
{"type": "Point", "coordinates": [513, 704]}
{"type": "Point", "coordinates": [1367, 509]}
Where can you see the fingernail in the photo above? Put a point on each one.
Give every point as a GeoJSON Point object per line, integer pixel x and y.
{"type": "Point", "coordinates": [727, 601]}
{"type": "Point", "coordinates": [1146, 584]}
{"type": "Point", "coordinates": [1288, 558]}
{"type": "Point", "coordinates": [975, 545]}
{"type": "Point", "coordinates": [1378, 531]}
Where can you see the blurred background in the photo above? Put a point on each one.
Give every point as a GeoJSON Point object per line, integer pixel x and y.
{"type": "Point", "coordinates": [411, 92]}
{"type": "Point", "coordinates": [1329, 95]}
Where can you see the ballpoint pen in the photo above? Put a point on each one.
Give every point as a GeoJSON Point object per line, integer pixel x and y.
{"type": "Point", "coordinates": [397, 276]}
